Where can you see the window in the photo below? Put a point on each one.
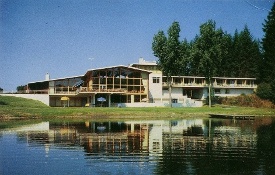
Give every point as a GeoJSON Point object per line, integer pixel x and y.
{"type": "Point", "coordinates": [217, 91]}
{"type": "Point", "coordinates": [156, 79]}
{"type": "Point", "coordinates": [227, 91]}
{"type": "Point", "coordinates": [156, 145]}
{"type": "Point", "coordinates": [174, 100]}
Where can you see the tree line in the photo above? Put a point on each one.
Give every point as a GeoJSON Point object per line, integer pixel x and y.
{"type": "Point", "coordinates": [213, 52]}
{"type": "Point", "coordinates": [216, 53]}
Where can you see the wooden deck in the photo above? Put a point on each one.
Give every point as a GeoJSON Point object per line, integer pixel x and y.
{"type": "Point", "coordinates": [235, 117]}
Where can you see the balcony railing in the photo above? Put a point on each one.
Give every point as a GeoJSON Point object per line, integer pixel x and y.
{"type": "Point", "coordinates": [184, 84]}
{"type": "Point", "coordinates": [45, 91]}
{"type": "Point", "coordinates": [214, 85]}
{"type": "Point", "coordinates": [113, 90]}
{"type": "Point", "coordinates": [235, 85]}
{"type": "Point", "coordinates": [85, 89]}
{"type": "Point", "coordinates": [71, 90]}
{"type": "Point", "coordinates": [64, 90]}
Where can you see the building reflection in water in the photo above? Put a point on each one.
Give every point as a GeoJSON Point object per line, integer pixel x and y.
{"type": "Point", "coordinates": [143, 136]}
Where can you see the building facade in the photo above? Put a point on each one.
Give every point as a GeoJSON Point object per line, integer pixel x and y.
{"type": "Point", "coordinates": [109, 86]}
{"type": "Point", "coordinates": [191, 91]}
{"type": "Point", "coordinates": [137, 85]}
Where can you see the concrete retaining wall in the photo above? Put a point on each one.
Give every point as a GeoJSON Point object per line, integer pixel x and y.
{"type": "Point", "coordinates": [192, 103]}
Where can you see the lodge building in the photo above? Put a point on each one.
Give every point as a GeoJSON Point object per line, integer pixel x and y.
{"type": "Point", "coordinates": [137, 85]}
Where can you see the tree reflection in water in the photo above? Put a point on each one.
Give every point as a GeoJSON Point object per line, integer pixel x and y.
{"type": "Point", "coordinates": [266, 148]}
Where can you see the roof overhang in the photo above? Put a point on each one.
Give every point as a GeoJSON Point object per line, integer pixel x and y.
{"type": "Point", "coordinates": [119, 66]}
{"type": "Point", "coordinates": [79, 76]}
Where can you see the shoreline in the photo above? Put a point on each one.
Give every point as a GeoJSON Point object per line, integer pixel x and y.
{"type": "Point", "coordinates": [124, 117]}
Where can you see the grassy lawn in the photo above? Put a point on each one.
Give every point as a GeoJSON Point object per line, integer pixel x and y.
{"type": "Point", "coordinates": [14, 107]}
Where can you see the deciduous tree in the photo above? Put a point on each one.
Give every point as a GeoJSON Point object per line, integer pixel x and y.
{"type": "Point", "coordinates": [207, 53]}
{"type": "Point", "coordinates": [168, 51]}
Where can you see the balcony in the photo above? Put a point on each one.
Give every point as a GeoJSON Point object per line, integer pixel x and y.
{"type": "Point", "coordinates": [113, 90]}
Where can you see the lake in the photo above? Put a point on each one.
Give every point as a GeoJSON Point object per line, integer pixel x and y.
{"type": "Point", "coordinates": [185, 146]}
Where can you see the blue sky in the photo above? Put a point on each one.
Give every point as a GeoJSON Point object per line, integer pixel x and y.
{"type": "Point", "coordinates": [68, 37]}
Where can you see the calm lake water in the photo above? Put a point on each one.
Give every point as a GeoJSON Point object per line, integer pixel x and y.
{"type": "Point", "coordinates": [189, 146]}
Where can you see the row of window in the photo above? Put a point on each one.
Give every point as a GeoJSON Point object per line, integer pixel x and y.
{"type": "Point", "coordinates": [199, 81]}
{"type": "Point", "coordinates": [218, 91]}
{"type": "Point", "coordinates": [156, 79]}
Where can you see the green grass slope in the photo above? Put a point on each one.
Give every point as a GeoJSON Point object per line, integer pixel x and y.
{"type": "Point", "coordinates": [14, 107]}
{"type": "Point", "coordinates": [20, 102]}
{"type": "Point", "coordinates": [19, 107]}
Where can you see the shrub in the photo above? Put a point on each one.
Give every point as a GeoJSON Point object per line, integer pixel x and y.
{"type": "Point", "coordinates": [214, 100]}
{"type": "Point", "coordinates": [264, 91]}
{"type": "Point", "coordinates": [273, 92]}
{"type": "Point", "coordinates": [248, 101]}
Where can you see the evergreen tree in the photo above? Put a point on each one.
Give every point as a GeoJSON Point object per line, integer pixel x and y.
{"type": "Point", "coordinates": [225, 69]}
{"type": "Point", "coordinates": [245, 55]}
{"type": "Point", "coordinates": [235, 55]}
{"type": "Point", "coordinates": [264, 91]}
{"type": "Point", "coordinates": [248, 54]}
{"type": "Point", "coordinates": [267, 70]}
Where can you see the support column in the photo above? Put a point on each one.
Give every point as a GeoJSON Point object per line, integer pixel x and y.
{"type": "Point", "coordinates": [109, 100]}
{"type": "Point", "coordinates": [93, 99]}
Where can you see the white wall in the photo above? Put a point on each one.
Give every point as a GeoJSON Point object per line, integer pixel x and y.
{"type": "Point", "coordinates": [155, 89]}
{"type": "Point", "coordinates": [234, 92]}
{"type": "Point", "coordinates": [175, 93]}
{"type": "Point", "coordinates": [44, 98]}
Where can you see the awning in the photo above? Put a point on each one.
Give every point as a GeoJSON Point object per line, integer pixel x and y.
{"type": "Point", "coordinates": [65, 98]}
